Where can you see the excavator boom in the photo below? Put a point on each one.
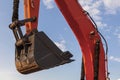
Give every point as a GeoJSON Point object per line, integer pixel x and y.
{"type": "Point", "coordinates": [35, 51]}
{"type": "Point", "coordinates": [88, 38]}
{"type": "Point", "coordinates": [31, 9]}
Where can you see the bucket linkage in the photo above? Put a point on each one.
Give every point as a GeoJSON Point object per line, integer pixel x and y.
{"type": "Point", "coordinates": [36, 51]}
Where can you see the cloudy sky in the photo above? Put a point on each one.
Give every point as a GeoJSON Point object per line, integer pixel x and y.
{"type": "Point", "coordinates": [106, 14]}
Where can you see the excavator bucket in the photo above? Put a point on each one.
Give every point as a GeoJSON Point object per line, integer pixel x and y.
{"type": "Point", "coordinates": [38, 54]}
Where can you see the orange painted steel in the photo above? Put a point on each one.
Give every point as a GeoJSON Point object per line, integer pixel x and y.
{"type": "Point", "coordinates": [82, 27]}
{"type": "Point", "coordinates": [31, 9]}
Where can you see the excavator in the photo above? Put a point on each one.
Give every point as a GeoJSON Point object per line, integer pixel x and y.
{"type": "Point", "coordinates": [35, 51]}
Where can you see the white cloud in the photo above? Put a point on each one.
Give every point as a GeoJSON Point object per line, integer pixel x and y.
{"type": "Point", "coordinates": [111, 6]}
{"type": "Point", "coordinates": [118, 36]}
{"type": "Point", "coordinates": [101, 24]}
{"type": "Point", "coordinates": [117, 32]}
{"type": "Point", "coordinates": [92, 7]}
{"type": "Point", "coordinates": [7, 75]}
{"type": "Point", "coordinates": [114, 59]}
{"type": "Point", "coordinates": [118, 79]}
{"type": "Point", "coordinates": [48, 4]}
{"type": "Point", "coordinates": [61, 44]}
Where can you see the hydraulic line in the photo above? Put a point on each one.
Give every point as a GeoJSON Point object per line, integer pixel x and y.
{"type": "Point", "coordinates": [15, 17]}
{"type": "Point", "coordinates": [106, 45]}
{"type": "Point", "coordinates": [96, 27]}
{"type": "Point", "coordinates": [15, 10]}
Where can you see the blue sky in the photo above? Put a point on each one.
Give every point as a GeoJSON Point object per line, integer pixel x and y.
{"type": "Point", "coordinates": [106, 14]}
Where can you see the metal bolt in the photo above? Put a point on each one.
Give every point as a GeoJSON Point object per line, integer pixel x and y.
{"type": "Point", "coordinates": [92, 33]}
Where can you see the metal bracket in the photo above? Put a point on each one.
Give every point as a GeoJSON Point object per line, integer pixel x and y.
{"type": "Point", "coordinates": [15, 26]}
{"type": "Point", "coordinates": [19, 23]}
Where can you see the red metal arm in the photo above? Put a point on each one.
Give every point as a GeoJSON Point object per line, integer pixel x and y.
{"type": "Point", "coordinates": [86, 35]}
{"type": "Point", "coordinates": [31, 9]}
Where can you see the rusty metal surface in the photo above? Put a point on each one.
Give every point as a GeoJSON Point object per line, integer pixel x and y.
{"type": "Point", "coordinates": [41, 53]}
